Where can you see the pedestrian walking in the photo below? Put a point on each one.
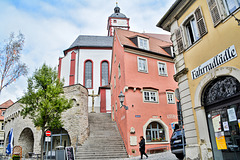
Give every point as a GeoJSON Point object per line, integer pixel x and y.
{"type": "Point", "coordinates": [142, 147]}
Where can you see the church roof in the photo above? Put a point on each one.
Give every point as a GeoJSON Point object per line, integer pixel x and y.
{"type": "Point", "coordinates": [117, 13]}
{"type": "Point", "coordinates": [92, 41]}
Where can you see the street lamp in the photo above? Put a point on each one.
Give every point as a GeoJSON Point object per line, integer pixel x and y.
{"type": "Point", "coordinates": [121, 99]}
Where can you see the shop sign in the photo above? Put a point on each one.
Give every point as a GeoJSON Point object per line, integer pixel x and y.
{"type": "Point", "coordinates": [214, 62]}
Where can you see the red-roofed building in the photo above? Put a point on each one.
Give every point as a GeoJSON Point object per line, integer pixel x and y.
{"type": "Point", "coordinates": [3, 108]}
{"type": "Point", "coordinates": [142, 69]}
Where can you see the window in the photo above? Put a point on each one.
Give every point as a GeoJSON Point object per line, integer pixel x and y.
{"type": "Point", "coordinates": [162, 69]}
{"type": "Point", "coordinates": [1, 143]}
{"type": "Point", "coordinates": [142, 65]}
{"type": "Point", "coordinates": [143, 43]}
{"type": "Point", "coordinates": [231, 5]}
{"type": "Point", "coordinates": [2, 128]}
{"type": "Point", "coordinates": [104, 73]}
{"type": "Point", "coordinates": [3, 112]}
{"type": "Point", "coordinates": [116, 106]}
{"type": "Point", "coordinates": [150, 96]}
{"type": "Point", "coordinates": [170, 98]}
{"type": "Point", "coordinates": [220, 9]}
{"type": "Point", "coordinates": [88, 74]}
{"type": "Point", "coordinates": [192, 31]}
{"type": "Point", "coordinates": [119, 70]}
{"type": "Point", "coordinates": [155, 133]}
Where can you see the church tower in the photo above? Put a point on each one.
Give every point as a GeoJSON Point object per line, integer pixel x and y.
{"type": "Point", "coordinates": [117, 20]}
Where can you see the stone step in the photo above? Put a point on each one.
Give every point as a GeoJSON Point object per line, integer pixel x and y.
{"type": "Point", "coordinates": [101, 156]}
{"type": "Point", "coordinates": [92, 144]}
{"type": "Point", "coordinates": [100, 152]}
{"type": "Point", "coordinates": [104, 142]}
{"type": "Point", "coordinates": [87, 148]}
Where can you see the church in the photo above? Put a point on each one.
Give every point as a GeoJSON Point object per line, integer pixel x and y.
{"type": "Point", "coordinates": [88, 60]}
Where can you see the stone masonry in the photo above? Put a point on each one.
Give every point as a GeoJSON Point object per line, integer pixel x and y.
{"type": "Point", "coordinates": [75, 121]}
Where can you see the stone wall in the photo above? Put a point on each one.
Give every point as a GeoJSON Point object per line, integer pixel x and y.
{"type": "Point", "coordinates": [75, 121]}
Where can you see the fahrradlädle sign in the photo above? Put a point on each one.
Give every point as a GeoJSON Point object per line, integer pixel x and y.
{"type": "Point", "coordinates": [214, 62]}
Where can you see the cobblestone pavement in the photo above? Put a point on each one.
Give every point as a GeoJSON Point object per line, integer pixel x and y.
{"type": "Point", "coordinates": [158, 156]}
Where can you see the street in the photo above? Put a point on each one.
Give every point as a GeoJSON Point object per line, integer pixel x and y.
{"type": "Point", "coordinates": [164, 155]}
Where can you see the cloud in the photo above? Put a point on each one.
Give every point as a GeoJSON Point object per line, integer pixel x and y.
{"type": "Point", "coordinates": [51, 27]}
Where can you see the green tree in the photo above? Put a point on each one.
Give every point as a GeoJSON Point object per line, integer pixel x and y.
{"type": "Point", "coordinates": [11, 68]}
{"type": "Point", "coordinates": [44, 101]}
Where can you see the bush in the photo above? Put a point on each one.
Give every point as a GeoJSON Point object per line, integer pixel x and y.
{"type": "Point", "coordinates": [16, 157]}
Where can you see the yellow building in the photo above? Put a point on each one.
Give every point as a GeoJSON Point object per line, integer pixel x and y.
{"type": "Point", "coordinates": [206, 40]}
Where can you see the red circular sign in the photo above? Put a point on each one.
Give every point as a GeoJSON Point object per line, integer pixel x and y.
{"type": "Point", "coordinates": [48, 133]}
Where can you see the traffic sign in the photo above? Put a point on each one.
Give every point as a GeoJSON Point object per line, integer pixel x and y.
{"type": "Point", "coordinates": [48, 133]}
{"type": "Point", "coordinates": [47, 139]}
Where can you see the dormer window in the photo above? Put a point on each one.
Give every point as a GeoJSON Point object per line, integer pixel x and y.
{"type": "Point", "coordinates": [143, 43]}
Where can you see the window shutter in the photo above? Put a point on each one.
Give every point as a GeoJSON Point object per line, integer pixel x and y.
{"type": "Point", "coordinates": [200, 22]}
{"type": "Point", "coordinates": [215, 13]}
{"type": "Point", "coordinates": [179, 40]}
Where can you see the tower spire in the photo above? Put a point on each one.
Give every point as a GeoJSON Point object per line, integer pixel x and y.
{"type": "Point", "coordinates": [117, 20]}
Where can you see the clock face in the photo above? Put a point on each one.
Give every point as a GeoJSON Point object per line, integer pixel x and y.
{"type": "Point", "coordinates": [119, 22]}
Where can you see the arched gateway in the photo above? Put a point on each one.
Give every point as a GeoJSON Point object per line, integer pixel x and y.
{"type": "Point", "coordinates": [26, 141]}
{"type": "Point", "coordinates": [75, 123]}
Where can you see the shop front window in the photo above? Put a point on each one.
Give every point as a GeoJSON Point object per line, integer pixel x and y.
{"type": "Point", "coordinates": [221, 100]}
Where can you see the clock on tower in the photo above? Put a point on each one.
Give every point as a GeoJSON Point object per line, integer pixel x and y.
{"type": "Point", "coordinates": [117, 20]}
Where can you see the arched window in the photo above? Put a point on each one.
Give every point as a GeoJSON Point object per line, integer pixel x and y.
{"type": "Point", "coordinates": [104, 73]}
{"type": "Point", "coordinates": [88, 74]}
{"type": "Point", "coordinates": [155, 132]}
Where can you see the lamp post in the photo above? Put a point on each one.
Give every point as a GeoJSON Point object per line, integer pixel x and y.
{"type": "Point", "coordinates": [121, 99]}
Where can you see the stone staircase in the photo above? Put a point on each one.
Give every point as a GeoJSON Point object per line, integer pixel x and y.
{"type": "Point", "coordinates": [104, 142]}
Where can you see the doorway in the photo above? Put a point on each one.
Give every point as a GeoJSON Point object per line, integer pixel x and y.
{"type": "Point", "coordinates": [221, 99]}
{"type": "Point", "coordinates": [58, 138]}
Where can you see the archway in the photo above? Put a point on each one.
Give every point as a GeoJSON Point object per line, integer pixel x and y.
{"type": "Point", "coordinates": [221, 100]}
{"type": "Point", "coordinates": [59, 137]}
{"type": "Point", "coordinates": [206, 146]}
{"type": "Point", "coordinates": [26, 141]}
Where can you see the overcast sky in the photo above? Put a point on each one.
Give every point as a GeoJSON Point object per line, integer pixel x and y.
{"type": "Point", "coordinates": [51, 26]}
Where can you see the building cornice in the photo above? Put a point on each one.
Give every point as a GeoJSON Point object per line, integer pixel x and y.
{"type": "Point", "coordinates": [180, 73]}
{"type": "Point", "coordinates": [175, 11]}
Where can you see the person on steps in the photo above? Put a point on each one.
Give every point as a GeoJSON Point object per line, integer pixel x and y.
{"type": "Point", "coordinates": [142, 147]}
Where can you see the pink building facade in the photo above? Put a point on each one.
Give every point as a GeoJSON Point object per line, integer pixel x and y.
{"type": "Point", "coordinates": [143, 69]}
